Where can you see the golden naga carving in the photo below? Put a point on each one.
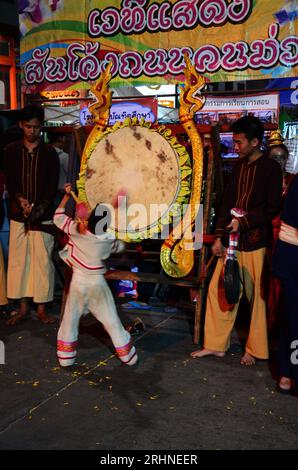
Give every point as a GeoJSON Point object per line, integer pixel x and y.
{"type": "Point", "coordinates": [101, 108]}
{"type": "Point", "coordinates": [177, 252]}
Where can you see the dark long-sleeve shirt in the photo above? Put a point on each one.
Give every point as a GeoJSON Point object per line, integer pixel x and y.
{"type": "Point", "coordinates": [2, 213]}
{"type": "Point", "coordinates": [285, 259]}
{"type": "Point", "coordinates": [34, 175]}
{"type": "Point", "coordinates": [256, 188]}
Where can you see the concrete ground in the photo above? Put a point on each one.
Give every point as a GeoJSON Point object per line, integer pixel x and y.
{"type": "Point", "coordinates": [168, 401]}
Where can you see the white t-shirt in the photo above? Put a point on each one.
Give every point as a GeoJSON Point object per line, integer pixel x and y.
{"type": "Point", "coordinates": [87, 251]}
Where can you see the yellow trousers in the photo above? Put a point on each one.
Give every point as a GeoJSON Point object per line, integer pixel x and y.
{"type": "Point", "coordinates": [220, 316]}
{"type": "Point", "coordinates": [3, 299]}
{"type": "Point", "coordinates": [30, 268]}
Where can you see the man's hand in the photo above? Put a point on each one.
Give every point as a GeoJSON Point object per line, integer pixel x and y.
{"type": "Point", "coordinates": [217, 248]}
{"type": "Point", "coordinates": [67, 188]}
{"type": "Point", "coordinates": [233, 226]}
{"type": "Point", "coordinates": [26, 206]}
{"type": "Point", "coordinates": [27, 211]}
{"type": "Point", "coordinates": [65, 199]}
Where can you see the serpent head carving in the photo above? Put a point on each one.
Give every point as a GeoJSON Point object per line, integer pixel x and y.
{"type": "Point", "coordinates": [101, 108]}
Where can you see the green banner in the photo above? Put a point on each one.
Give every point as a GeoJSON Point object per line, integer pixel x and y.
{"type": "Point", "coordinates": [66, 44]}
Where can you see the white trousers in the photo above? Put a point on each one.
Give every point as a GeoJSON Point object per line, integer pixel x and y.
{"type": "Point", "coordinates": [91, 293]}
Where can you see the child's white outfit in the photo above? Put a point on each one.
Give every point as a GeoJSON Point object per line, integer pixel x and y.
{"type": "Point", "coordinates": [89, 291]}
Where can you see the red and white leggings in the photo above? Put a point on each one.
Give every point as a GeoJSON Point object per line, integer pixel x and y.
{"type": "Point", "coordinates": [90, 293]}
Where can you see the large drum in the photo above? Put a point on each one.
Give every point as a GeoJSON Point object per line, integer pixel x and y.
{"type": "Point", "coordinates": [148, 165]}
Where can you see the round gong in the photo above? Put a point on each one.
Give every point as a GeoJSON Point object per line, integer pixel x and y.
{"type": "Point", "coordinates": [143, 163]}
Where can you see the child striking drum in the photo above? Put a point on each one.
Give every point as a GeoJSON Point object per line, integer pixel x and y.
{"type": "Point", "coordinates": [88, 292]}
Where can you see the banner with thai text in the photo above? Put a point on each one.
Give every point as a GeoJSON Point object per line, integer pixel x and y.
{"type": "Point", "coordinates": [140, 108]}
{"type": "Point", "coordinates": [225, 109]}
{"type": "Point", "coordinates": [66, 44]}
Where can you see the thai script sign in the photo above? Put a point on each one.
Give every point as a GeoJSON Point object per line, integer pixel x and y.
{"type": "Point", "coordinates": [145, 108]}
{"type": "Point", "coordinates": [290, 133]}
{"type": "Point", "coordinates": [264, 101]}
{"type": "Point", "coordinates": [63, 94]}
{"type": "Point", "coordinates": [225, 109]}
{"type": "Point", "coordinates": [63, 45]}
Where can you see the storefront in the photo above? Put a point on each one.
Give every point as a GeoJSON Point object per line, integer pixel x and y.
{"type": "Point", "coordinates": [10, 82]}
{"type": "Point", "coordinates": [8, 73]}
{"type": "Point", "coordinates": [146, 44]}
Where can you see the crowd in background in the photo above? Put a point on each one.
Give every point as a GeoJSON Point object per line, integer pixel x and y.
{"type": "Point", "coordinates": [261, 199]}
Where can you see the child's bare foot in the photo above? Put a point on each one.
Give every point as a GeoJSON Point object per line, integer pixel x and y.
{"type": "Point", "coordinates": [20, 315]}
{"type": "Point", "coordinates": [16, 318]}
{"type": "Point", "coordinates": [247, 360]}
{"type": "Point", "coordinates": [285, 383]}
{"type": "Point", "coordinates": [207, 352]}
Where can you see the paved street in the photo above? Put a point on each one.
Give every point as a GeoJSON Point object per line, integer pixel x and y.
{"type": "Point", "coordinates": [168, 401]}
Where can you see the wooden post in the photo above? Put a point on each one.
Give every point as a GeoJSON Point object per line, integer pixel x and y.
{"type": "Point", "coordinates": [208, 197]}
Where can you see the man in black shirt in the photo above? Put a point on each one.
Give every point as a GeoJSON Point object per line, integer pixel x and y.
{"type": "Point", "coordinates": [255, 192]}
{"type": "Point", "coordinates": [32, 171]}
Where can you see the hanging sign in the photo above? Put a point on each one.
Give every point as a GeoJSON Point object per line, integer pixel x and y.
{"type": "Point", "coordinates": [143, 108]}
{"type": "Point", "coordinates": [226, 109]}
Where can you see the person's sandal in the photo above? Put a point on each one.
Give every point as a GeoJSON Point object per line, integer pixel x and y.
{"type": "Point", "coordinates": [284, 385]}
{"type": "Point", "coordinates": [42, 315]}
{"type": "Point", "coordinates": [16, 317]}
{"type": "Point", "coordinates": [136, 328]}
{"type": "Point", "coordinates": [6, 314]}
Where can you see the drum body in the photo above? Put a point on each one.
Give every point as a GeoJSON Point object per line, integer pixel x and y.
{"type": "Point", "coordinates": [146, 164]}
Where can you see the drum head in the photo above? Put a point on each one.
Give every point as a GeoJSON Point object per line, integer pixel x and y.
{"type": "Point", "coordinates": [146, 166]}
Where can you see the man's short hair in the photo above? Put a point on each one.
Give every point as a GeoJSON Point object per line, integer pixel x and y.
{"type": "Point", "coordinates": [250, 126]}
{"type": "Point", "coordinates": [32, 111]}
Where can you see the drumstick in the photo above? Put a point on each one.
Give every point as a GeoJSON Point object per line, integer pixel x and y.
{"type": "Point", "coordinates": [82, 209]}
{"type": "Point", "coordinates": [75, 197]}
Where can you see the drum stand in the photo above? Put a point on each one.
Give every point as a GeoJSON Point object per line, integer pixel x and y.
{"type": "Point", "coordinates": [198, 280]}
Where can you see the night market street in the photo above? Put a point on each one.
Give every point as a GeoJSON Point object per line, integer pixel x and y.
{"type": "Point", "coordinates": [149, 177]}
{"type": "Point", "coordinates": [168, 401]}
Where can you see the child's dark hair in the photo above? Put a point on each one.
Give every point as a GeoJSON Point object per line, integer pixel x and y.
{"type": "Point", "coordinates": [99, 220]}
{"type": "Point", "coordinates": [250, 126]}
{"type": "Point", "coordinates": [32, 111]}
